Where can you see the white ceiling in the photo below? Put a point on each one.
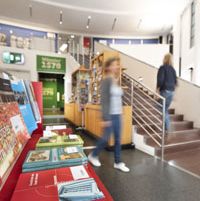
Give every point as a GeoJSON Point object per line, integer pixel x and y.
{"type": "Point", "coordinates": [134, 17]}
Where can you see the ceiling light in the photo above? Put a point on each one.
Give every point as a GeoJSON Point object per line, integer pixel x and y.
{"type": "Point", "coordinates": [72, 36]}
{"type": "Point", "coordinates": [88, 22]}
{"type": "Point", "coordinates": [11, 31]}
{"type": "Point", "coordinates": [30, 10]}
{"type": "Point", "coordinates": [61, 17]}
{"type": "Point", "coordinates": [139, 24]}
{"type": "Point", "coordinates": [63, 47]}
{"type": "Point", "coordinates": [114, 23]}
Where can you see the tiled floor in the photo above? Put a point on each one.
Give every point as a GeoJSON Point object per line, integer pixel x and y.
{"type": "Point", "coordinates": [53, 112]}
{"type": "Point", "coordinates": [189, 160]}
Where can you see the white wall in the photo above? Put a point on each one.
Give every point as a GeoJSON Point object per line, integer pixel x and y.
{"type": "Point", "coordinates": [30, 66]}
{"type": "Point", "coordinates": [149, 53]}
{"type": "Point", "coordinates": [135, 68]}
{"type": "Point", "coordinates": [189, 56]}
{"type": "Point", "coordinates": [187, 95]}
{"type": "Point", "coordinates": [43, 44]}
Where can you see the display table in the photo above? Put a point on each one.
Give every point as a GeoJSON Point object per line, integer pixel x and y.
{"type": "Point", "coordinates": [42, 185]}
{"type": "Point", "coordinates": [93, 123]}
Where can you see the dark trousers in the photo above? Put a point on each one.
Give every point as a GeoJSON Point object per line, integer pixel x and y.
{"type": "Point", "coordinates": [115, 128]}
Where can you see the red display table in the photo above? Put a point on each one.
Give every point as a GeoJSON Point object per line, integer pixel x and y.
{"type": "Point", "coordinates": [42, 185]}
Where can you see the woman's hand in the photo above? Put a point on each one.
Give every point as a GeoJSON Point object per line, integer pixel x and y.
{"type": "Point", "coordinates": [105, 124]}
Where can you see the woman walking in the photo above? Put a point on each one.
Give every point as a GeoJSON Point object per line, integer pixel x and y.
{"type": "Point", "coordinates": [111, 105]}
{"type": "Point", "coordinates": [166, 84]}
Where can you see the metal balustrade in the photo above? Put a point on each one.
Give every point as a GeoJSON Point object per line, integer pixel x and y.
{"type": "Point", "coordinates": [148, 110]}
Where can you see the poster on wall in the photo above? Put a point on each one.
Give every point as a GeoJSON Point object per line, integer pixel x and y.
{"type": "Point", "coordinates": [13, 136]}
{"type": "Point", "coordinates": [22, 99]}
{"type": "Point", "coordinates": [32, 100]}
{"type": "Point", "coordinates": [51, 64]}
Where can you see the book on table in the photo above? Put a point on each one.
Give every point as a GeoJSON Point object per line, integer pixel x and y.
{"type": "Point", "coordinates": [59, 141]}
{"type": "Point", "coordinates": [54, 158]}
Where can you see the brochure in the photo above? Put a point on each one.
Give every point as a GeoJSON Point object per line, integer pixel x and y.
{"type": "Point", "coordinates": [21, 98]}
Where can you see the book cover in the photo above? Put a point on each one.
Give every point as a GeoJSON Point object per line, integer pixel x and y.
{"type": "Point", "coordinates": [59, 141]}
{"type": "Point", "coordinates": [43, 185]}
{"type": "Point", "coordinates": [21, 98]}
{"type": "Point", "coordinates": [13, 135]}
{"type": "Point", "coordinates": [6, 93]}
{"type": "Point", "coordinates": [50, 158]}
{"type": "Point", "coordinates": [32, 100]}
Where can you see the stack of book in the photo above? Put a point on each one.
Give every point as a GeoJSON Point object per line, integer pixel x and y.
{"type": "Point", "coordinates": [54, 158]}
{"type": "Point", "coordinates": [84, 190]}
{"type": "Point", "coordinates": [59, 141]}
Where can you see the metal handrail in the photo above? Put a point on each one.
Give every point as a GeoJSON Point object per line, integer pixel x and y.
{"type": "Point", "coordinates": [153, 92]}
{"type": "Point", "coordinates": [147, 95]}
{"type": "Point", "coordinates": [150, 127]}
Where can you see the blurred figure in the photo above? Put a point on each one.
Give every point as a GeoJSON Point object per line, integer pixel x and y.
{"type": "Point", "coordinates": [166, 84]}
{"type": "Point", "coordinates": [111, 105]}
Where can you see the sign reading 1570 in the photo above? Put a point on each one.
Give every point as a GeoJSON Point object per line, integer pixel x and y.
{"type": "Point", "coordinates": [51, 64]}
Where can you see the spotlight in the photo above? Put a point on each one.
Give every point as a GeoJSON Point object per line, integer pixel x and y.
{"type": "Point", "coordinates": [61, 17]}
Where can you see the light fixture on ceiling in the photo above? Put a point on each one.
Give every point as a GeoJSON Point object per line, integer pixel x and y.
{"type": "Point", "coordinates": [72, 36]}
{"type": "Point", "coordinates": [88, 22]}
{"type": "Point", "coordinates": [61, 17]}
{"type": "Point", "coordinates": [30, 10]}
{"type": "Point", "coordinates": [11, 31]}
{"type": "Point", "coordinates": [114, 23]}
{"type": "Point", "coordinates": [63, 47]}
{"type": "Point", "coordinates": [139, 24]}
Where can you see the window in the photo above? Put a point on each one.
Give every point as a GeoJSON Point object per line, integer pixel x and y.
{"type": "Point", "coordinates": [192, 26]}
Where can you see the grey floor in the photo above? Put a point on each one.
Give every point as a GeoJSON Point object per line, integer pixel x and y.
{"type": "Point", "coordinates": [149, 179]}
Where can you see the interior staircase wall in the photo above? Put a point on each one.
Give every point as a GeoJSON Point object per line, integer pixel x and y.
{"type": "Point", "coordinates": [187, 95]}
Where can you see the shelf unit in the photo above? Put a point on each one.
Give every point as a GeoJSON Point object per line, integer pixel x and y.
{"type": "Point", "coordinates": [98, 73]}
{"type": "Point", "coordinates": [80, 85]}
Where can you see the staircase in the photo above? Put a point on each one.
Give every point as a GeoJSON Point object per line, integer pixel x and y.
{"type": "Point", "coordinates": [148, 122]}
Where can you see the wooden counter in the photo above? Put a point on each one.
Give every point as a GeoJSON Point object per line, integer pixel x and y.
{"type": "Point", "coordinates": [73, 113]}
{"type": "Point", "coordinates": [93, 123]}
{"type": "Point", "coordinates": [69, 111]}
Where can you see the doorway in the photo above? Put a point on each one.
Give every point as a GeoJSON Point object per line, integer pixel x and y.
{"type": "Point", "coordinates": [53, 93]}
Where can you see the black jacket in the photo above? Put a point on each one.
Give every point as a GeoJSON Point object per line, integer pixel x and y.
{"type": "Point", "coordinates": [166, 78]}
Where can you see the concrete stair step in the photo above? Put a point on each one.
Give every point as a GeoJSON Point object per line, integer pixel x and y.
{"type": "Point", "coordinates": [179, 147]}
{"type": "Point", "coordinates": [155, 119]}
{"type": "Point", "coordinates": [176, 137]}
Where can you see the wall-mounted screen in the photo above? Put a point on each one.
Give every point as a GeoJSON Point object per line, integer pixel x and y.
{"type": "Point", "coordinates": [13, 58]}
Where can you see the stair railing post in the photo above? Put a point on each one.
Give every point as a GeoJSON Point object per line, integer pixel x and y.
{"type": "Point", "coordinates": [132, 94]}
{"type": "Point", "coordinates": [163, 131]}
